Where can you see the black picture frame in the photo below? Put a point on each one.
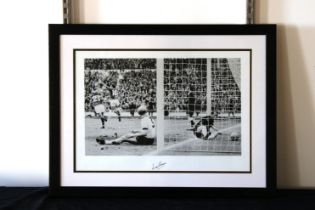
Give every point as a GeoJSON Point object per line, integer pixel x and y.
{"type": "Point", "coordinates": [55, 33]}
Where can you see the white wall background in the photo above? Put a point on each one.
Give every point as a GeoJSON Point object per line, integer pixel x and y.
{"type": "Point", "coordinates": [24, 90]}
{"type": "Point", "coordinates": [24, 80]}
{"type": "Point", "coordinates": [161, 11]}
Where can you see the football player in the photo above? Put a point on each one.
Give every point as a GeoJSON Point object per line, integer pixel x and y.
{"type": "Point", "coordinates": [144, 136]}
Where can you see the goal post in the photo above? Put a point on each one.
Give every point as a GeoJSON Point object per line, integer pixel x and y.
{"type": "Point", "coordinates": [209, 87]}
{"type": "Point", "coordinates": [160, 103]}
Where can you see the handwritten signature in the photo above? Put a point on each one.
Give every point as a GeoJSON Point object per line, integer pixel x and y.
{"type": "Point", "coordinates": [158, 166]}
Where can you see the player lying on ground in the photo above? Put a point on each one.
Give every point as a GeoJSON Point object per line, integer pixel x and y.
{"type": "Point", "coordinates": [145, 136]}
{"type": "Point", "coordinates": [205, 129]}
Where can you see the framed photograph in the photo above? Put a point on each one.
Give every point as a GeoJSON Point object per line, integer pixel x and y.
{"type": "Point", "coordinates": [171, 109]}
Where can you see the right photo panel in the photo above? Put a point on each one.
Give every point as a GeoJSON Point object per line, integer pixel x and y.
{"type": "Point", "coordinates": [202, 106]}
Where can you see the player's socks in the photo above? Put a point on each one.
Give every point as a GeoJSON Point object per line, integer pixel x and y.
{"type": "Point", "coordinates": [191, 120]}
{"type": "Point", "coordinates": [103, 122]}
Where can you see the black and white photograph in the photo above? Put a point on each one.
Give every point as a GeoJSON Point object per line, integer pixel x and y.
{"type": "Point", "coordinates": [120, 106]}
{"type": "Point", "coordinates": [201, 106]}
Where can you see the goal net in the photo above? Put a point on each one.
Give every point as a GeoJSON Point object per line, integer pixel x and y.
{"type": "Point", "coordinates": [196, 88]}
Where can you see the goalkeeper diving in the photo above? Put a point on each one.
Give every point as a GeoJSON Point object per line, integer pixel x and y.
{"type": "Point", "coordinates": [204, 129]}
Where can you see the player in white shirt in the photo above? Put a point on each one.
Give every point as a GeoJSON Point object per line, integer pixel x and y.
{"type": "Point", "coordinates": [98, 100]}
{"type": "Point", "coordinates": [145, 136]}
{"type": "Point", "coordinates": [115, 106]}
{"type": "Point", "coordinates": [99, 108]}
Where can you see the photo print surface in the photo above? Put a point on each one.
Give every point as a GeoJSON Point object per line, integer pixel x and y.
{"type": "Point", "coordinates": [202, 106]}
{"type": "Point", "coordinates": [116, 90]}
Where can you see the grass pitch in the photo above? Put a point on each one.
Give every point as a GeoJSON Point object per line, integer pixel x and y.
{"type": "Point", "coordinates": [93, 129]}
{"type": "Point", "coordinates": [178, 140]}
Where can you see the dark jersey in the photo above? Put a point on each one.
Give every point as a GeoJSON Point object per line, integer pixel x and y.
{"type": "Point", "coordinates": [198, 105]}
{"type": "Point", "coordinates": [191, 101]}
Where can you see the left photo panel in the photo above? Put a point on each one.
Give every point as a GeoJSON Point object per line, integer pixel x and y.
{"type": "Point", "coordinates": [119, 106]}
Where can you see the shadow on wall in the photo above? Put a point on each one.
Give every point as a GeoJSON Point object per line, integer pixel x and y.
{"type": "Point", "coordinates": [295, 89]}
{"type": "Point", "coordinates": [296, 119]}
{"type": "Point", "coordinates": [286, 136]}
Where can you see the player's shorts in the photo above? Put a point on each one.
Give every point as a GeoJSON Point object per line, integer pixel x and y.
{"type": "Point", "coordinates": [105, 118]}
{"type": "Point", "coordinates": [142, 140]}
{"type": "Point", "coordinates": [99, 108]}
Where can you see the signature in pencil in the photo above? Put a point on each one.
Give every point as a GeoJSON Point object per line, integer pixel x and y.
{"type": "Point", "coordinates": [158, 166]}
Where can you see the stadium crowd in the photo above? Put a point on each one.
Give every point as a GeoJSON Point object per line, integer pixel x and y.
{"type": "Point", "coordinates": [115, 64]}
{"type": "Point", "coordinates": [183, 76]}
{"type": "Point", "coordinates": [131, 87]}
{"type": "Point", "coordinates": [226, 95]}
{"type": "Point", "coordinates": [133, 82]}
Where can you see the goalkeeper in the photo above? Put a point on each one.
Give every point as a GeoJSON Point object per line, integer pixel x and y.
{"type": "Point", "coordinates": [205, 129]}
